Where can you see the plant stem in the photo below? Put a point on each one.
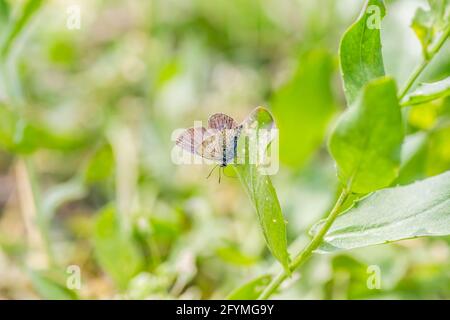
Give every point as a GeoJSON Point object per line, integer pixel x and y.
{"type": "Point", "coordinates": [308, 250]}
{"type": "Point", "coordinates": [418, 70]}
{"type": "Point", "coordinates": [318, 237]}
{"type": "Point", "coordinates": [35, 219]}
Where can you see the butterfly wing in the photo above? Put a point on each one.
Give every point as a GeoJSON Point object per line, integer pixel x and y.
{"type": "Point", "coordinates": [217, 143]}
{"type": "Point", "coordinates": [191, 139]}
{"type": "Point", "coordinates": [221, 145]}
{"type": "Point", "coordinates": [221, 121]}
{"type": "Point", "coordinates": [211, 147]}
{"type": "Point", "coordinates": [202, 142]}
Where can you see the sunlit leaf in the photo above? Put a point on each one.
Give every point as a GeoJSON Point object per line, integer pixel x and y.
{"type": "Point", "coordinates": [50, 287]}
{"type": "Point", "coordinates": [265, 201]}
{"type": "Point", "coordinates": [250, 290]}
{"type": "Point", "coordinates": [20, 135]}
{"type": "Point", "coordinates": [100, 166]}
{"type": "Point", "coordinates": [260, 189]}
{"type": "Point", "coordinates": [115, 250]}
{"type": "Point", "coordinates": [427, 23]}
{"type": "Point", "coordinates": [413, 158]}
{"type": "Point", "coordinates": [302, 115]}
{"type": "Point", "coordinates": [425, 154]}
{"type": "Point", "coordinates": [4, 12]}
{"type": "Point", "coordinates": [428, 91]}
{"type": "Point", "coordinates": [234, 256]}
{"type": "Point", "coordinates": [367, 139]}
{"type": "Point", "coordinates": [348, 270]}
{"type": "Point", "coordinates": [415, 210]}
{"type": "Point", "coordinates": [424, 116]}
{"type": "Point", "coordinates": [438, 156]}
{"type": "Point", "coordinates": [360, 50]}
{"type": "Point", "coordinates": [62, 50]}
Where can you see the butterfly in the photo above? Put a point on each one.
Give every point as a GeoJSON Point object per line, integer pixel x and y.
{"type": "Point", "coordinates": [217, 142]}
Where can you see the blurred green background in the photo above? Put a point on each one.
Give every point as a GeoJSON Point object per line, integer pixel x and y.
{"type": "Point", "coordinates": [86, 122]}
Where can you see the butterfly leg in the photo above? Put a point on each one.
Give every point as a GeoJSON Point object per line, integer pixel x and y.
{"type": "Point", "coordinates": [211, 171]}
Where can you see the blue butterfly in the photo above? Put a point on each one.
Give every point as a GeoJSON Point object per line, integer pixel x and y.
{"type": "Point", "coordinates": [218, 142]}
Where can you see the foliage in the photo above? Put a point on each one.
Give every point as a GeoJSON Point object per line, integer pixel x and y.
{"type": "Point", "coordinates": [393, 214]}
{"type": "Point", "coordinates": [86, 137]}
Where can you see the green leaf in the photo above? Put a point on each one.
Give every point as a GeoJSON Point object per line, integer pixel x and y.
{"type": "Point", "coordinates": [426, 92]}
{"type": "Point", "coordinates": [19, 135]}
{"type": "Point", "coordinates": [250, 290]}
{"type": "Point", "coordinates": [413, 158]}
{"type": "Point", "coordinates": [427, 24]}
{"type": "Point", "coordinates": [415, 210]}
{"type": "Point", "coordinates": [115, 250]}
{"type": "Point", "coordinates": [265, 201]}
{"type": "Point", "coordinates": [4, 12]}
{"type": "Point", "coordinates": [17, 25]}
{"type": "Point", "coordinates": [360, 50]}
{"type": "Point", "coordinates": [367, 140]}
{"type": "Point", "coordinates": [425, 154]}
{"type": "Point", "coordinates": [438, 156]}
{"type": "Point", "coordinates": [259, 187]}
{"type": "Point", "coordinates": [300, 111]}
{"type": "Point", "coordinates": [234, 256]}
{"type": "Point", "coordinates": [50, 285]}
{"type": "Point", "coordinates": [100, 166]}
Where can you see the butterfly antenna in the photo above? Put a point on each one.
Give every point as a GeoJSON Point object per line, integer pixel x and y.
{"type": "Point", "coordinates": [220, 174]}
{"type": "Point", "coordinates": [209, 175]}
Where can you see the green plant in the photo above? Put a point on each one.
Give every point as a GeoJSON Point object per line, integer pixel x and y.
{"type": "Point", "coordinates": [92, 207]}
{"type": "Point", "coordinates": [366, 144]}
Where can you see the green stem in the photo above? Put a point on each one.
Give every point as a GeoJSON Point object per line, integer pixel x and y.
{"type": "Point", "coordinates": [308, 250]}
{"type": "Point", "coordinates": [418, 70]}
{"type": "Point", "coordinates": [412, 78]}
{"type": "Point", "coordinates": [16, 27]}
{"type": "Point", "coordinates": [318, 238]}
{"type": "Point", "coordinates": [42, 220]}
